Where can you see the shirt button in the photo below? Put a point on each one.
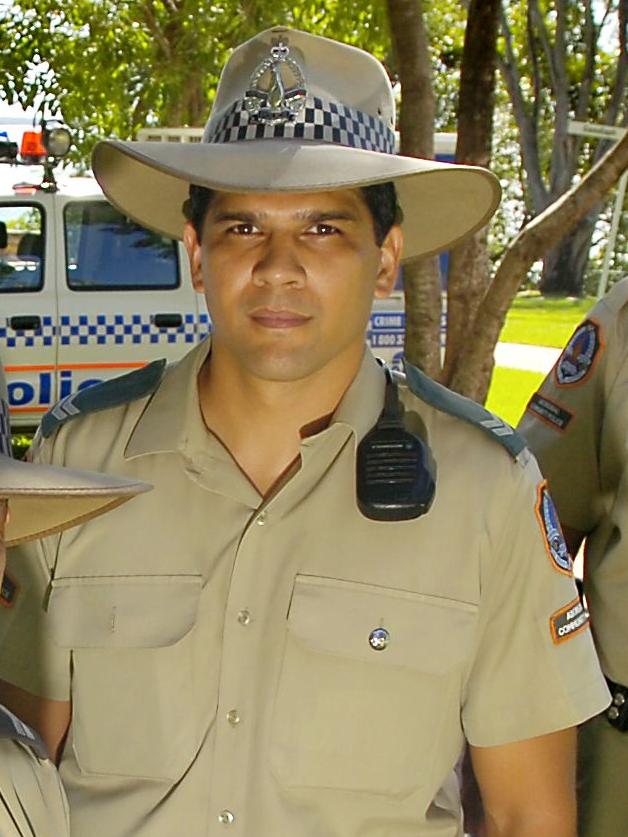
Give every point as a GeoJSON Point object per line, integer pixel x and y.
{"type": "Point", "coordinates": [379, 639]}
{"type": "Point", "coordinates": [226, 817]}
{"type": "Point", "coordinates": [233, 717]}
{"type": "Point", "coordinates": [261, 519]}
{"type": "Point", "coordinates": [244, 617]}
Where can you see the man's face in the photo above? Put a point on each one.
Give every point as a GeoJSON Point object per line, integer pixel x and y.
{"type": "Point", "coordinates": [290, 278]}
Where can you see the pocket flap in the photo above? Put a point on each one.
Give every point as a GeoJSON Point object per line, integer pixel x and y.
{"type": "Point", "coordinates": [421, 631]}
{"type": "Point", "coordinates": [122, 611]}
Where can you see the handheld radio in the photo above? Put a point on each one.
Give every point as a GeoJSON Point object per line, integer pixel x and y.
{"type": "Point", "coordinates": [395, 478]}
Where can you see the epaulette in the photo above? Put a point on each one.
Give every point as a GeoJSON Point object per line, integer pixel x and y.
{"type": "Point", "coordinates": [450, 402]}
{"type": "Point", "coordinates": [111, 393]}
{"type": "Point", "coordinates": [15, 730]}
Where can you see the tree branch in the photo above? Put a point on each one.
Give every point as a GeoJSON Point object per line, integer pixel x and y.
{"type": "Point", "coordinates": [529, 246]}
{"type": "Point", "coordinates": [527, 128]}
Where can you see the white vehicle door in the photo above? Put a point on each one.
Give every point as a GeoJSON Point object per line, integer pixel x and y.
{"type": "Point", "coordinates": [28, 304]}
{"type": "Point", "coordinates": [126, 297]}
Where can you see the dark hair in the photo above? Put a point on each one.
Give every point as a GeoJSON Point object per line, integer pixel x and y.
{"type": "Point", "coordinates": [381, 200]}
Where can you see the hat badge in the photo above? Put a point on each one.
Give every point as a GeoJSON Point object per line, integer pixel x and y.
{"type": "Point", "coordinates": [276, 92]}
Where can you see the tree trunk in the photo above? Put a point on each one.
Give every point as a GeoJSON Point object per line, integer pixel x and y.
{"type": "Point", "coordinates": [530, 245]}
{"type": "Point", "coordinates": [416, 125]}
{"type": "Point", "coordinates": [469, 267]}
{"type": "Point", "coordinates": [564, 266]}
{"type": "Point", "coordinates": [421, 278]}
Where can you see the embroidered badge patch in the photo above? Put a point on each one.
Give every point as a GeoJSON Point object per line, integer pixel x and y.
{"type": "Point", "coordinates": [568, 621]}
{"type": "Point", "coordinates": [555, 545]}
{"type": "Point", "coordinates": [578, 356]}
{"type": "Point", "coordinates": [549, 412]}
{"type": "Point", "coordinates": [8, 591]}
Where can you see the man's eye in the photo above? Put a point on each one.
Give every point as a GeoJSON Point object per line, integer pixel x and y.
{"type": "Point", "coordinates": [243, 229]}
{"type": "Point", "coordinates": [324, 229]}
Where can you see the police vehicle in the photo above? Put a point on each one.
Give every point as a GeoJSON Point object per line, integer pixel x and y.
{"type": "Point", "coordinates": [86, 293]}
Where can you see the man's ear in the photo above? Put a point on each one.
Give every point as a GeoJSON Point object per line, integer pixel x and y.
{"type": "Point", "coordinates": [193, 248]}
{"type": "Point", "coordinates": [390, 258]}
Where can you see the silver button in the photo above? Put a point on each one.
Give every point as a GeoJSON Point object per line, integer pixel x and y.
{"type": "Point", "coordinates": [379, 639]}
{"type": "Point", "coordinates": [261, 519]}
{"type": "Point", "coordinates": [233, 717]}
{"type": "Point", "coordinates": [226, 817]}
{"type": "Point", "coordinates": [619, 699]}
{"type": "Point", "coordinates": [613, 713]}
{"type": "Point", "coordinates": [244, 617]}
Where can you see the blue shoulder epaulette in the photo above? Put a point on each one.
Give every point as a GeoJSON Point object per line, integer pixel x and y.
{"type": "Point", "coordinates": [450, 402]}
{"type": "Point", "coordinates": [111, 393]}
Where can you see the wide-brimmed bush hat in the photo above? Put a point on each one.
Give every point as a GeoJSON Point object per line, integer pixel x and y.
{"type": "Point", "coordinates": [44, 499]}
{"type": "Point", "coordinates": [295, 112]}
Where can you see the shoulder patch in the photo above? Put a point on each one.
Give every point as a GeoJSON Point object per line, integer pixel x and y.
{"type": "Point", "coordinates": [579, 355]}
{"type": "Point", "coordinates": [555, 546]}
{"type": "Point", "coordinates": [568, 621]}
{"type": "Point", "coordinates": [111, 393]}
{"type": "Point", "coordinates": [450, 402]}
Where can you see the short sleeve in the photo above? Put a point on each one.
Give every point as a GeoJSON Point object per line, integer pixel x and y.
{"type": "Point", "coordinates": [562, 425]}
{"type": "Point", "coordinates": [28, 657]}
{"type": "Point", "coordinates": [535, 669]}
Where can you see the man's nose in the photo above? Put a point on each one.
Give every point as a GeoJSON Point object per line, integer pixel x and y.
{"type": "Point", "coordinates": [279, 263]}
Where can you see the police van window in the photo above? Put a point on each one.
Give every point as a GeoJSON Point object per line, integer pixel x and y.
{"type": "Point", "coordinates": [107, 251]}
{"type": "Point", "coordinates": [21, 248]}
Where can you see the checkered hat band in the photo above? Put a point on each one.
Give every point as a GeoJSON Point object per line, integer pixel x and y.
{"type": "Point", "coordinates": [5, 430]}
{"type": "Point", "coordinates": [318, 120]}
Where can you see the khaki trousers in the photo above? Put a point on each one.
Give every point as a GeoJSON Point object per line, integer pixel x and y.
{"type": "Point", "coordinates": [602, 780]}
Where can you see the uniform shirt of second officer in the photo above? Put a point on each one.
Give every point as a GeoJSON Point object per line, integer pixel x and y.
{"type": "Point", "coordinates": [220, 653]}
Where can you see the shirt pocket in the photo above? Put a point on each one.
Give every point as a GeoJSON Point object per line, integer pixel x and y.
{"type": "Point", "coordinates": [132, 665]}
{"type": "Point", "coordinates": [371, 682]}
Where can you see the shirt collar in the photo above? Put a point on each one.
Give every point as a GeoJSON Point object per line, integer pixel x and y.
{"type": "Point", "coordinates": [362, 403]}
{"type": "Point", "coordinates": [173, 414]}
{"type": "Point", "coordinates": [172, 420]}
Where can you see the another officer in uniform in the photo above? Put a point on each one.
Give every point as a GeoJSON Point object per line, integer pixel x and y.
{"type": "Point", "coordinates": [274, 642]}
{"type": "Point", "coordinates": [42, 499]}
{"type": "Point", "coordinates": [577, 425]}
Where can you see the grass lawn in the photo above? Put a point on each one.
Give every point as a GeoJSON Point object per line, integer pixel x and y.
{"type": "Point", "coordinates": [543, 321]}
{"type": "Point", "coordinates": [510, 391]}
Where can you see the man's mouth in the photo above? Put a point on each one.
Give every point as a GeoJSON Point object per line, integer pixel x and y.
{"type": "Point", "coordinates": [278, 318]}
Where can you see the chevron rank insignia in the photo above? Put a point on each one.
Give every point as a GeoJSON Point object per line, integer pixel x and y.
{"type": "Point", "coordinates": [111, 393]}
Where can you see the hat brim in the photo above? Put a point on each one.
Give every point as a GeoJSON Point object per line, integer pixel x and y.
{"type": "Point", "coordinates": [44, 499]}
{"type": "Point", "coordinates": [442, 203]}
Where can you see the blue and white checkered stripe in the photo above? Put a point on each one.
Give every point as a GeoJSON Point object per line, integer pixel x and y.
{"type": "Point", "coordinates": [5, 429]}
{"type": "Point", "coordinates": [105, 329]}
{"type": "Point", "coordinates": [123, 329]}
{"type": "Point", "coordinates": [28, 338]}
{"type": "Point", "coordinates": [319, 120]}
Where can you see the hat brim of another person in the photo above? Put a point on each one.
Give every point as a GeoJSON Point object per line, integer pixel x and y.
{"type": "Point", "coordinates": [44, 499]}
{"type": "Point", "coordinates": [442, 203]}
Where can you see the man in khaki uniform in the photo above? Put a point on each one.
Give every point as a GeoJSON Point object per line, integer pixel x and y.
{"type": "Point", "coordinates": [252, 649]}
{"type": "Point", "coordinates": [577, 425]}
{"type": "Point", "coordinates": [42, 500]}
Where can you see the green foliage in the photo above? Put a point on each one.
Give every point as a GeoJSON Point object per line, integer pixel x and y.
{"type": "Point", "coordinates": [114, 66]}
{"type": "Point", "coordinates": [20, 443]}
{"type": "Point", "coordinates": [543, 321]}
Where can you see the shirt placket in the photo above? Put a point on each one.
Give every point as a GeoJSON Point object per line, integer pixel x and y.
{"type": "Point", "coordinates": [247, 634]}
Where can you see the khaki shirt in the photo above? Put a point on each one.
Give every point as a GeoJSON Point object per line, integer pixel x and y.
{"type": "Point", "coordinates": [219, 649]}
{"type": "Point", "coordinates": [577, 425]}
{"type": "Point", "coordinates": [32, 801]}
